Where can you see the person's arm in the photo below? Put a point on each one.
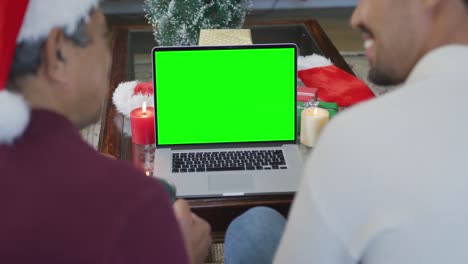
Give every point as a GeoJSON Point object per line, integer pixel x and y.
{"type": "Point", "coordinates": [307, 237]}
{"type": "Point", "coordinates": [150, 234]}
{"type": "Point", "coordinates": [195, 230]}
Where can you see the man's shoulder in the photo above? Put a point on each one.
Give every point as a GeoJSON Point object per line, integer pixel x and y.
{"type": "Point", "coordinates": [359, 140]}
{"type": "Point", "coordinates": [113, 174]}
{"type": "Point", "coordinates": [120, 170]}
{"type": "Point", "coordinates": [56, 153]}
{"type": "Point", "coordinates": [370, 120]}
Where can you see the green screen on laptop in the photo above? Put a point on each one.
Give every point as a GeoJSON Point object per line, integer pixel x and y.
{"type": "Point", "coordinates": [225, 95]}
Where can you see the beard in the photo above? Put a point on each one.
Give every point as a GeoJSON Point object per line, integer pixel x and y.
{"type": "Point", "coordinates": [384, 78]}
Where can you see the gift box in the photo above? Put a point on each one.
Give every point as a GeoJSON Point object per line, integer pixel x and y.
{"type": "Point", "coordinates": [306, 94]}
{"type": "Point", "coordinates": [333, 84]}
{"type": "Point", "coordinates": [222, 37]}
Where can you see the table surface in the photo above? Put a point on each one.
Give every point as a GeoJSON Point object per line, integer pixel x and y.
{"type": "Point", "coordinates": [134, 42]}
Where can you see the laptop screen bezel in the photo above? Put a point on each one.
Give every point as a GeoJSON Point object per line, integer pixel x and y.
{"type": "Point", "coordinates": [226, 144]}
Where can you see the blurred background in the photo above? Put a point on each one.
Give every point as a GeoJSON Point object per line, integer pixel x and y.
{"type": "Point", "coordinates": [333, 16]}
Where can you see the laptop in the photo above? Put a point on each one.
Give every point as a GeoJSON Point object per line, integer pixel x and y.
{"type": "Point", "coordinates": [225, 119]}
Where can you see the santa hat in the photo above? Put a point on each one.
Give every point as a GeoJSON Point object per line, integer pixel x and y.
{"type": "Point", "coordinates": [130, 95]}
{"type": "Point", "coordinates": [333, 84]}
{"type": "Point", "coordinates": [29, 20]}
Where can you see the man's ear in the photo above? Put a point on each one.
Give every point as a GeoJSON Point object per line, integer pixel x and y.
{"type": "Point", "coordinates": [55, 57]}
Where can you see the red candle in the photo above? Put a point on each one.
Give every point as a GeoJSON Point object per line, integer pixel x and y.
{"type": "Point", "coordinates": [142, 122]}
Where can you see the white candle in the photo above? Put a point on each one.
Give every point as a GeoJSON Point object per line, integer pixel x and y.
{"type": "Point", "coordinates": [312, 121]}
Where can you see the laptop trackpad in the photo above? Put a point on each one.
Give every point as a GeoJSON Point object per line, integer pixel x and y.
{"type": "Point", "coordinates": [230, 182]}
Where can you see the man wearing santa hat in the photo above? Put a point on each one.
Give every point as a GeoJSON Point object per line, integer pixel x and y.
{"type": "Point", "coordinates": [60, 200]}
{"type": "Point", "coordinates": [387, 182]}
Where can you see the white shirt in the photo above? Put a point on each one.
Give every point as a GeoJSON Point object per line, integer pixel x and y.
{"type": "Point", "coordinates": [388, 181]}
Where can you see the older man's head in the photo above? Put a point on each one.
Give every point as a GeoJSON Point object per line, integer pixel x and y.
{"type": "Point", "coordinates": [66, 72]}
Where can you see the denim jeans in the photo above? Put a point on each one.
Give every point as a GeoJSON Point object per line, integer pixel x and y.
{"type": "Point", "coordinates": [254, 236]}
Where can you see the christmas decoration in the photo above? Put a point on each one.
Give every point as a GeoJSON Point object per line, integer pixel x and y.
{"type": "Point", "coordinates": [333, 84]}
{"type": "Point", "coordinates": [131, 95]}
{"type": "Point", "coordinates": [178, 22]}
{"type": "Point", "coordinates": [313, 119]}
{"type": "Point", "coordinates": [142, 124]}
{"type": "Point", "coordinates": [29, 20]}
{"type": "Point", "coordinates": [221, 37]}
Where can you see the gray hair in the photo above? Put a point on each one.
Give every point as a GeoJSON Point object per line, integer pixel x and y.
{"type": "Point", "coordinates": [28, 58]}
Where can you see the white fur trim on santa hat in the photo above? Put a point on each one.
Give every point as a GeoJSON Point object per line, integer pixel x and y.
{"type": "Point", "coordinates": [43, 15]}
{"type": "Point", "coordinates": [125, 100]}
{"type": "Point", "coordinates": [312, 61]}
{"type": "Point", "coordinates": [14, 116]}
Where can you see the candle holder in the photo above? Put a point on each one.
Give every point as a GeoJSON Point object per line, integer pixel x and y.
{"type": "Point", "coordinates": [143, 157]}
{"type": "Point", "coordinates": [143, 138]}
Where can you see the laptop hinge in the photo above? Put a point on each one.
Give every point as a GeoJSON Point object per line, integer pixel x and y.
{"type": "Point", "coordinates": [223, 146]}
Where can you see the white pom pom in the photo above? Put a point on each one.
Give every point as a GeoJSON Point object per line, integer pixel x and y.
{"type": "Point", "coordinates": [43, 15]}
{"type": "Point", "coordinates": [14, 116]}
{"type": "Point", "coordinates": [137, 101]}
{"type": "Point", "coordinates": [125, 100]}
{"type": "Point", "coordinates": [312, 61]}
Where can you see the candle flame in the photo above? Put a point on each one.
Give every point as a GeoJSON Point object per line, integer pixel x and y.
{"type": "Point", "coordinates": [316, 111]}
{"type": "Point", "coordinates": [144, 107]}
{"type": "Point", "coordinates": [148, 173]}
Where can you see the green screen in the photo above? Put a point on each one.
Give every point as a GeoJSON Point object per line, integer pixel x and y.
{"type": "Point", "coordinates": [225, 96]}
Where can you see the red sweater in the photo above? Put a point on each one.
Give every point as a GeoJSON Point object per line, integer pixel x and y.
{"type": "Point", "coordinates": [62, 202]}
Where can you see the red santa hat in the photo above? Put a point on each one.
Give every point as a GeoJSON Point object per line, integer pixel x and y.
{"type": "Point", "coordinates": [333, 84]}
{"type": "Point", "coordinates": [130, 95]}
{"type": "Point", "coordinates": [29, 20]}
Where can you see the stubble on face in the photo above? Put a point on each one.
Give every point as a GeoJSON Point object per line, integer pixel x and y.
{"type": "Point", "coordinates": [389, 39]}
{"type": "Point", "coordinates": [378, 74]}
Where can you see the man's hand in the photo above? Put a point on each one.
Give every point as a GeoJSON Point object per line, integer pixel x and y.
{"type": "Point", "coordinates": [196, 232]}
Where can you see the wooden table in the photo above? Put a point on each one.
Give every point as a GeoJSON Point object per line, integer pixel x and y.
{"type": "Point", "coordinates": [308, 36]}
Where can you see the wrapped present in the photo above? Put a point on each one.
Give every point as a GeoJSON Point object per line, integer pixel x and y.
{"type": "Point", "coordinates": [221, 37]}
{"type": "Point", "coordinates": [305, 94]}
{"type": "Point", "coordinates": [333, 84]}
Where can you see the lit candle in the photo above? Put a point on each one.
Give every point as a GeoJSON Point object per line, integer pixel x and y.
{"type": "Point", "coordinates": [313, 119]}
{"type": "Point", "coordinates": [142, 122]}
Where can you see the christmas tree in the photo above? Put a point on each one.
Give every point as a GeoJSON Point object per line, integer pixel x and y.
{"type": "Point", "coordinates": [178, 22]}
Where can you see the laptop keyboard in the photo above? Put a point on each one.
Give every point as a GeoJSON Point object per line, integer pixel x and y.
{"type": "Point", "coordinates": [228, 161]}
